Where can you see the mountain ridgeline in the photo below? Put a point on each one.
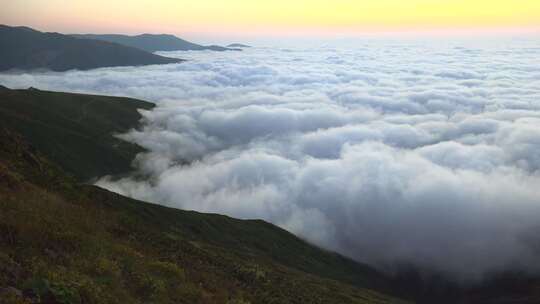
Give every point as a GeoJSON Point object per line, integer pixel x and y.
{"type": "Point", "coordinates": [23, 48]}
{"type": "Point", "coordinates": [238, 45]}
{"type": "Point", "coordinates": [155, 43]}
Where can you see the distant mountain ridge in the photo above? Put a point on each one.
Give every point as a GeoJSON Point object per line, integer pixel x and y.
{"type": "Point", "coordinates": [238, 45]}
{"type": "Point", "coordinates": [24, 48]}
{"type": "Point", "coordinates": [154, 43]}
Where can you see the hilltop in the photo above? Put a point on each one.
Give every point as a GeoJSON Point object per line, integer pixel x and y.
{"type": "Point", "coordinates": [23, 48]}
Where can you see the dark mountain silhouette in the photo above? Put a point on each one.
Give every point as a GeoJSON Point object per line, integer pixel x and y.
{"type": "Point", "coordinates": [154, 43]}
{"type": "Point", "coordinates": [238, 45]}
{"type": "Point", "coordinates": [24, 48]}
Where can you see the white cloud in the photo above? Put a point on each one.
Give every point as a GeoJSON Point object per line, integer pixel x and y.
{"type": "Point", "coordinates": [402, 153]}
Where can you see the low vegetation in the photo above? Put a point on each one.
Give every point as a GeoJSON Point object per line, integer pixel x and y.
{"type": "Point", "coordinates": [61, 242]}
{"type": "Point", "coordinates": [75, 131]}
{"type": "Point", "coordinates": [66, 242]}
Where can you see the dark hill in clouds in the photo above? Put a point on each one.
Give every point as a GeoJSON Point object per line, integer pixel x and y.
{"type": "Point", "coordinates": [23, 48]}
{"type": "Point", "coordinates": [154, 43]}
{"type": "Point", "coordinates": [65, 242]}
{"type": "Point", "coordinates": [238, 45]}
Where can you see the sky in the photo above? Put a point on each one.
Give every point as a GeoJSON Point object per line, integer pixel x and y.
{"type": "Point", "coordinates": [273, 18]}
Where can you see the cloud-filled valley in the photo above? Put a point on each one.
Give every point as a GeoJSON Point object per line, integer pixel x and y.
{"type": "Point", "coordinates": [388, 152]}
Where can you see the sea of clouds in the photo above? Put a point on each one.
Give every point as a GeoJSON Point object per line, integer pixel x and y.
{"type": "Point", "coordinates": [388, 152]}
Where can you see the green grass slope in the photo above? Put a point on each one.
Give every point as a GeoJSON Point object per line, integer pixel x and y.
{"type": "Point", "coordinates": [62, 242]}
{"type": "Point", "coordinates": [75, 130]}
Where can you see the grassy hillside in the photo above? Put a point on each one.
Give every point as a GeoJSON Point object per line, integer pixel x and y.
{"type": "Point", "coordinates": [61, 242]}
{"type": "Point", "coordinates": [75, 130]}
{"type": "Point", "coordinates": [23, 48]}
{"type": "Point", "coordinates": [64, 242]}
{"type": "Point", "coordinates": [154, 43]}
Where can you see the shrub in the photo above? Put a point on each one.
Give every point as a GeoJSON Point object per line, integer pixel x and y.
{"type": "Point", "coordinates": [147, 286]}
{"type": "Point", "coordinates": [53, 292]}
{"type": "Point", "coordinates": [248, 274]}
{"type": "Point", "coordinates": [106, 267]}
{"type": "Point", "coordinates": [168, 270]}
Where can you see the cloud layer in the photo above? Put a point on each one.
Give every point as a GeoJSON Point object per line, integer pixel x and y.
{"type": "Point", "coordinates": [385, 152]}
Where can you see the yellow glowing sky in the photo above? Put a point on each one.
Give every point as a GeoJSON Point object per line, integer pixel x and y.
{"type": "Point", "coordinates": [276, 16]}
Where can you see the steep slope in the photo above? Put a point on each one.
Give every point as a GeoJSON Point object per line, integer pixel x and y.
{"type": "Point", "coordinates": [23, 48]}
{"type": "Point", "coordinates": [75, 130]}
{"type": "Point", "coordinates": [154, 43]}
{"type": "Point", "coordinates": [61, 242]}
